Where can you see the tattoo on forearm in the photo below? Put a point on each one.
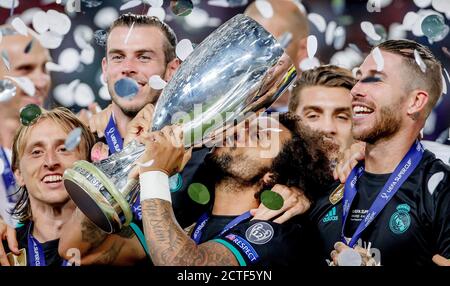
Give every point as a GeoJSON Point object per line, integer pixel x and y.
{"type": "Point", "coordinates": [91, 234]}
{"type": "Point", "coordinates": [169, 244]}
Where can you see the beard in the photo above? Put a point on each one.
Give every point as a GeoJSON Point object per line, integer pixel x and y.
{"type": "Point", "coordinates": [241, 169]}
{"type": "Point", "coordinates": [385, 127]}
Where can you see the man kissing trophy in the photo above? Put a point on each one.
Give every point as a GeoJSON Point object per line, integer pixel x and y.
{"type": "Point", "coordinates": [239, 69]}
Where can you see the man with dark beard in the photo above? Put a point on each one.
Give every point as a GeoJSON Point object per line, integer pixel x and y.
{"type": "Point", "coordinates": [225, 235]}
{"type": "Point", "coordinates": [398, 199]}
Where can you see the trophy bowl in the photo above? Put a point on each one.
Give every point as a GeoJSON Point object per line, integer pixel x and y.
{"type": "Point", "coordinates": [238, 69]}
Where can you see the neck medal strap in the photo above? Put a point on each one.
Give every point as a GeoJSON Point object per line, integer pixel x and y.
{"type": "Point", "coordinates": [113, 137]}
{"type": "Point", "coordinates": [395, 181]}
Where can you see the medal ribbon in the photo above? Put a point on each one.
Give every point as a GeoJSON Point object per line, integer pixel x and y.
{"type": "Point", "coordinates": [113, 137]}
{"type": "Point", "coordinates": [8, 176]}
{"type": "Point", "coordinates": [36, 253]}
{"type": "Point", "coordinates": [201, 223]}
{"type": "Point", "coordinates": [395, 181]}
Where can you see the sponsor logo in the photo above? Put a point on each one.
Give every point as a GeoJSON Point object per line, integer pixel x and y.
{"type": "Point", "coordinates": [330, 216]}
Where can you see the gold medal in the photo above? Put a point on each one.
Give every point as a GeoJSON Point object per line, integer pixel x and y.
{"type": "Point", "coordinates": [17, 260]}
{"type": "Point", "coordinates": [337, 195]}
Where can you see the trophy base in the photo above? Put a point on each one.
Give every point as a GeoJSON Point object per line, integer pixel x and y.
{"type": "Point", "coordinates": [97, 197]}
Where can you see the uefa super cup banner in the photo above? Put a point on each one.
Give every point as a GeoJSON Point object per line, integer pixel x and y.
{"type": "Point", "coordinates": [237, 70]}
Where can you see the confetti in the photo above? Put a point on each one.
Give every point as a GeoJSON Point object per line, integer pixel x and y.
{"type": "Point", "coordinates": [63, 95]}
{"type": "Point", "coordinates": [309, 63]}
{"type": "Point", "coordinates": [422, 3]}
{"type": "Point", "coordinates": [25, 84]}
{"type": "Point", "coordinates": [8, 4]}
{"type": "Point", "coordinates": [69, 59]}
{"type": "Point", "coordinates": [228, 3]}
{"type": "Point", "coordinates": [126, 87]}
{"type": "Point", "coordinates": [87, 55]}
{"type": "Point", "coordinates": [199, 193]}
{"type": "Point", "coordinates": [155, 3]}
{"type": "Point", "coordinates": [339, 38]}
{"type": "Point", "coordinates": [156, 82]}
{"type": "Point", "coordinates": [420, 62]}
{"type": "Point", "coordinates": [434, 28]}
{"type": "Point", "coordinates": [19, 26]}
{"type": "Point", "coordinates": [318, 21]}
{"type": "Point", "coordinates": [129, 33]}
{"type": "Point", "coordinates": [329, 33]}
{"type": "Point", "coordinates": [103, 93]}
{"type": "Point", "coordinates": [7, 90]}
{"type": "Point", "coordinates": [378, 58]}
{"type": "Point", "coordinates": [105, 17]}
{"type": "Point", "coordinates": [83, 95]}
{"type": "Point", "coordinates": [311, 43]}
{"type": "Point", "coordinates": [83, 35]}
{"type": "Point", "coordinates": [92, 3]}
{"type": "Point", "coordinates": [29, 113]}
{"type": "Point", "coordinates": [157, 12]}
{"type": "Point", "coordinates": [50, 40]}
{"type": "Point", "coordinates": [181, 7]}
{"type": "Point", "coordinates": [369, 30]}
{"type": "Point", "coordinates": [40, 23]}
{"type": "Point", "coordinates": [73, 139]}
{"type": "Point", "coordinates": [441, 5]}
{"type": "Point", "coordinates": [184, 49]}
{"type": "Point", "coordinates": [130, 4]}
{"type": "Point", "coordinates": [100, 37]}
{"type": "Point", "coordinates": [272, 200]}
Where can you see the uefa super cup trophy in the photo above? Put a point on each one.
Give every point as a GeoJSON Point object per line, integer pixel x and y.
{"type": "Point", "coordinates": [237, 69]}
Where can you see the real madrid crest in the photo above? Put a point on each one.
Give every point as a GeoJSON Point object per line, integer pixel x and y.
{"type": "Point", "coordinates": [337, 195]}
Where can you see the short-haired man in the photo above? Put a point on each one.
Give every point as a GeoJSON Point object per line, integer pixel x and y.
{"type": "Point", "coordinates": [321, 97]}
{"type": "Point", "coordinates": [398, 199]}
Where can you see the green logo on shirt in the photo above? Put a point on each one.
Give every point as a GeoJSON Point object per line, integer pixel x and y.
{"type": "Point", "coordinates": [330, 216]}
{"type": "Point", "coordinates": [400, 220]}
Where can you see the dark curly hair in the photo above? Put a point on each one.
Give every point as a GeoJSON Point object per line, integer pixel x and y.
{"type": "Point", "coordinates": [303, 160]}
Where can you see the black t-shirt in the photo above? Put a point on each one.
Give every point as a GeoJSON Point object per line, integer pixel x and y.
{"type": "Point", "coordinates": [413, 226]}
{"type": "Point", "coordinates": [50, 248]}
{"type": "Point", "coordinates": [263, 243]}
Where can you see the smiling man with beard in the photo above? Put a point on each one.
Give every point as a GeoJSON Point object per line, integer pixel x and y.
{"type": "Point", "coordinates": [398, 199]}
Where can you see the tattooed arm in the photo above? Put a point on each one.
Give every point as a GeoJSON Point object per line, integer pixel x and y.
{"type": "Point", "coordinates": [170, 245]}
{"type": "Point", "coordinates": [96, 246]}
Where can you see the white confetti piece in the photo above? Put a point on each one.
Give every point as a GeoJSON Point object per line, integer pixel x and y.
{"type": "Point", "coordinates": [40, 23]}
{"type": "Point", "coordinates": [339, 38]}
{"type": "Point", "coordinates": [318, 21]}
{"type": "Point", "coordinates": [87, 55]}
{"type": "Point", "coordinates": [329, 33]}
{"type": "Point", "coordinates": [25, 84]}
{"type": "Point", "coordinates": [103, 93]}
{"type": "Point", "coordinates": [19, 26]}
{"type": "Point", "coordinates": [154, 3]}
{"type": "Point", "coordinates": [378, 58]}
{"type": "Point", "coordinates": [59, 23]}
{"type": "Point", "coordinates": [50, 40]}
{"type": "Point", "coordinates": [311, 43]}
{"type": "Point", "coordinates": [156, 82]}
{"type": "Point", "coordinates": [309, 63]}
{"type": "Point", "coordinates": [130, 4]}
{"type": "Point", "coordinates": [420, 62]}
{"type": "Point", "coordinates": [434, 181]}
{"type": "Point", "coordinates": [84, 95]}
{"type": "Point", "coordinates": [184, 49]}
{"type": "Point", "coordinates": [422, 3]}
{"type": "Point", "coordinates": [129, 33]}
{"type": "Point", "coordinates": [8, 4]}
{"type": "Point", "coordinates": [157, 12]}
{"type": "Point", "coordinates": [265, 8]}
{"type": "Point", "coordinates": [69, 59]}
{"type": "Point", "coordinates": [50, 66]}
{"type": "Point", "coordinates": [105, 17]}
{"type": "Point", "coordinates": [369, 30]}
